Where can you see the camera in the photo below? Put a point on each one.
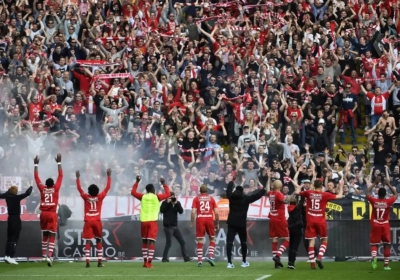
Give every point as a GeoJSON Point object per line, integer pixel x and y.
{"type": "Point", "coordinates": [173, 199]}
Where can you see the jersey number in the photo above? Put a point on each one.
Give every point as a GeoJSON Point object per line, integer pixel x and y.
{"type": "Point", "coordinates": [48, 198]}
{"type": "Point", "coordinates": [272, 205]}
{"type": "Point", "coordinates": [379, 213]}
{"type": "Point", "coordinates": [93, 206]}
{"type": "Point", "coordinates": [204, 206]}
{"type": "Point", "coordinates": [315, 204]}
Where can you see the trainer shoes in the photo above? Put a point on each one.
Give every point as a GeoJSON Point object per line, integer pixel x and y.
{"type": "Point", "coordinates": [200, 264]}
{"type": "Point", "coordinates": [374, 263]}
{"type": "Point", "coordinates": [188, 259]}
{"type": "Point", "coordinates": [277, 261]}
{"type": "Point", "coordinates": [149, 265]}
{"type": "Point", "coordinates": [230, 265]}
{"type": "Point", "coordinates": [7, 259]}
{"type": "Point", "coordinates": [164, 260]}
{"type": "Point", "coordinates": [291, 266]}
{"type": "Point", "coordinates": [386, 268]}
{"type": "Point", "coordinates": [87, 265]}
{"type": "Point", "coordinates": [210, 261]}
{"type": "Point", "coordinates": [49, 261]}
{"type": "Point", "coordinates": [245, 264]}
{"type": "Point", "coordinates": [100, 264]}
{"type": "Point", "coordinates": [319, 263]}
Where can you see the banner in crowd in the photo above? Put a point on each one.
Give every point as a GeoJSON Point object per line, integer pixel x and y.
{"type": "Point", "coordinates": [121, 240]}
{"type": "Point", "coordinates": [7, 182]}
{"type": "Point", "coordinates": [127, 208]}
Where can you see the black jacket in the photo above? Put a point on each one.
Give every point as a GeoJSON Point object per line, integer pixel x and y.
{"type": "Point", "coordinates": [13, 201]}
{"type": "Point", "coordinates": [170, 213]}
{"type": "Point", "coordinates": [239, 205]}
{"type": "Point", "coordinates": [295, 220]}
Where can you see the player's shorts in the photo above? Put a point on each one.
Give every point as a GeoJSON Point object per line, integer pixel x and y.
{"type": "Point", "coordinates": [49, 221]}
{"type": "Point", "coordinates": [380, 233]}
{"type": "Point", "coordinates": [278, 229]}
{"type": "Point", "coordinates": [203, 227]}
{"type": "Point", "coordinates": [149, 230]}
{"type": "Point", "coordinates": [313, 230]}
{"type": "Point", "coordinates": [92, 229]}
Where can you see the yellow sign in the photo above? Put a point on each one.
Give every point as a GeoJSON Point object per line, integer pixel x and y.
{"type": "Point", "coordinates": [332, 207]}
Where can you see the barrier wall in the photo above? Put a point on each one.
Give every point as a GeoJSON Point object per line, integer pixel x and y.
{"type": "Point", "coordinates": [121, 239]}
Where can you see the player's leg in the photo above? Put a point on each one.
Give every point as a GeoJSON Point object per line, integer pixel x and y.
{"type": "Point", "coordinates": [386, 246]}
{"type": "Point", "coordinates": [310, 235]}
{"type": "Point", "coordinates": [283, 233]}
{"type": "Point", "coordinates": [144, 233]}
{"type": "Point", "coordinates": [45, 240]}
{"type": "Point", "coordinates": [99, 247]}
{"type": "Point", "coordinates": [168, 231]}
{"type": "Point", "coordinates": [210, 230]}
{"type": "Point", "coordinates": [87, 236]}
{"type": "Point", "coordinates": [322, 231]}
{"type": "Point", "coordinates": [200, 235]}
{"type": "Point", "coordinates": [14, 237]}
{"type": "Point", "coordinates": [230, 238]}
{"type": "Point", "coordinates": [274, 238]}
{"type": "Point", "coordinates": [295, 236]}
{"type": "Point", "coordinates": [152, 236]}
{"type": "Point", "coordinates": [374, 240]}
{"type": "Point", "coordinates": [88, 244]}
{"type": "Point", "coordinates": [242, 232]}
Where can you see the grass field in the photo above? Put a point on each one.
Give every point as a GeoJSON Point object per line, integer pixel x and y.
{"type": "Point", "coordinates": [190, 271]}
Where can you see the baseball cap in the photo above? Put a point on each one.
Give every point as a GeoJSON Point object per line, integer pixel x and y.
{"type": "Point", "coordinates": [305, 181]}
{"type": "Point", "coordinates": [321, 121]}
{"type": "Point", "coordinates": [246, 126]}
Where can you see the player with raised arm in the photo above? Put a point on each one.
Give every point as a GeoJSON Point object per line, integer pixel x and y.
{"type": "Point", "coordinates": [380, 227]}
{"type": "Point", "coordinates": [49, 194]}
{"type": "Point", "coordinates": [278, 226]}
{"type": "Point", "coordinates": [93, 229]}
{"type": "Point", "coordinates": [149, 210]}
{"type": "Point", "coordinates": [205, 207]}
{"type": "Point", "coordinates": [316, 201]}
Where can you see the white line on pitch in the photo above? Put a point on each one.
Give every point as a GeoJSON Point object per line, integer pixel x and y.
{"type": "Point", "coordinates": [118, 275]}
{"type": "Point", "coordinates": [263, 277]}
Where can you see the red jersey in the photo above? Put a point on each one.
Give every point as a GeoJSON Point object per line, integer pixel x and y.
{"type": "Point", "coordinates": [277, 207]}
{"type": "Point", "coordinates": [93, 204]}
{"type": "Point", "coordinates": [49, 196]}
{"type": "Point", "coordinates": [34, 110]}
{"type": "Point", "coordinates": [378, 102]}
{"type": "Point", "coordinates": [316, 205]}
{"type": "Point", "coordinates": [205, 205]}
{"type": "Point", "coordinates": [380, 209]}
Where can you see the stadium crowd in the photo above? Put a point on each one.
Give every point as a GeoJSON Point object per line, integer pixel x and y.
{"type": "Point", "coordinates": [201, 92]}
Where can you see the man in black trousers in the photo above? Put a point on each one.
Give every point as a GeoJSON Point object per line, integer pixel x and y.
{"type": "Point", "coordinates": [295, 225]}
{"type": "Point", "coordinates": [13, 200]}
{"type": "Point", "coordinates": [170, 209]}
{"type": "Point", "coordinates": [237, 219]}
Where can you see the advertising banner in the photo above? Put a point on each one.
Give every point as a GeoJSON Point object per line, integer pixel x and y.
{"type": "Point", "coordinates": [121, 240]}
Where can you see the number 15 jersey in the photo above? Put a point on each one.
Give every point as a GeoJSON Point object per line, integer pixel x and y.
{"type": "Point", "coordinates": [316, 205]}
{"type": "Point", "coordinates": [204, 205]}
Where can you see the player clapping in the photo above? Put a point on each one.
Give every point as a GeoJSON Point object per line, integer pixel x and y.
{"type": "Point", "coordinates": [49, 194]}
{"type": "Point", "coordinates": [380, 227]}
{"type": "Point", "coordinates": [93, 227]}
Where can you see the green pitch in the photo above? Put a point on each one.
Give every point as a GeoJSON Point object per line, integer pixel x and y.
{"type": "Point", "coordinates": [190, 271]}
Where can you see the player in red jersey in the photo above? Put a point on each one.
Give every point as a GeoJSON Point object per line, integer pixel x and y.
{"type": "Point", "coordinates": [380, 227]}
{"type": "Point", "coordinates": [278, 226]}
{"type": "Point", "coordinates": [205, 207]}
{"type": "Point", "coordinates": [93, 227]}
{"type": "Point", "coordinates": [316, 202]}
{"type": "Point", "coordinates": [49, 194]}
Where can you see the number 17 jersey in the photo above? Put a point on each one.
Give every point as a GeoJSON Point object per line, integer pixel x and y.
{"type": "Point", "coordinates": [316, 205]}
{"type": "Point", "coordinates": [204, 205]}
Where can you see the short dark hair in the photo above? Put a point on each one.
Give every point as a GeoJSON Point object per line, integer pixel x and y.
{"type": "Point", "coordinates": [381, 193]}
{"type": "Point", "coordinates": [150, 188]}
{"type": "Point", "coordinates": [317, 184]}
{"type": "Point", "coordinates": [93, 190]}
{"type": "Point", "coordinates": [49, 182]}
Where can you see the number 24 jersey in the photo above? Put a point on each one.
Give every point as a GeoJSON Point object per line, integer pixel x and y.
{"type": "Point", "coordinates": [205, 205]}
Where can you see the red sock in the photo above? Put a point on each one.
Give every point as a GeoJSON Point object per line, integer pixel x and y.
{"type": "Point", "coordinates": [144, 251]}
{"type": "Point", "coordinates": [311, 255]}
{"type": "Point", "coordinates": [150, 253]}
{"type": "Point", "coordinates": [274, 248]}
{"type": "Point", "coordinates": [99, 247]}
{"type": "Point", "coordinates": [322, 249]}
{"type": "Point", "coordinates": [45, 239]}
{"type": "Point", "coordinates": [373, 251]}
{"type": "Point", "coordinates": [200, 252]}
{"type": "Point", "coordinates": [283, 247]}
{"type": "Point", "coordinates": [386, 255]}
{"type": "Point", "coordinates": [52, 239]}
{"type": "Point", "coordinates": [87, 251]}
{"type": "Point", "coordinates": [211, 249]}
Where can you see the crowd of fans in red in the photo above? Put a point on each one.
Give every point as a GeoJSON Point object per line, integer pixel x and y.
{"type": "Point", "coordinates": [199, 92]}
